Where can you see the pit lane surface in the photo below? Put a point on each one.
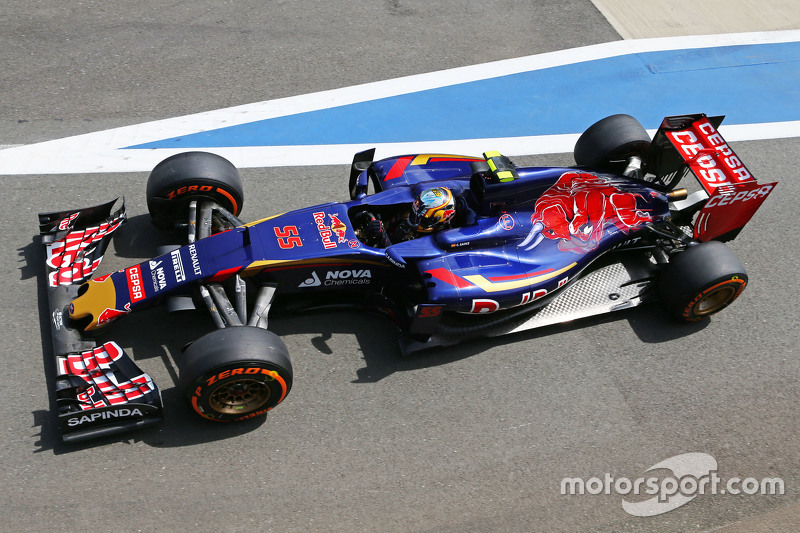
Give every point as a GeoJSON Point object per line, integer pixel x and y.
{"type": "Point", "coordinates": [471, 438]}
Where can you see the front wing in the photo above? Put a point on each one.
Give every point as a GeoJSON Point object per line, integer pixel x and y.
{"type": "Point", "coordinates": [98, 390]}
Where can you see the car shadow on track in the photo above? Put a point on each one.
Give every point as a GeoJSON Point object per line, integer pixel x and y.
{"type": "Point", "coordinates": [375, 337]}
{"type": "Point", "coordinates": [379, 341]}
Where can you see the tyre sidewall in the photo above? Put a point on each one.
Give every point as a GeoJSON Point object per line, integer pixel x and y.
{"type": "Point", "coordinates": [690, 312]}
{"type": "Point", "coordinates": [201, 389]}
{"type": "Point", "coordinates": [223, 357]}
{"type": "Point", "coordinates": [697, 272]}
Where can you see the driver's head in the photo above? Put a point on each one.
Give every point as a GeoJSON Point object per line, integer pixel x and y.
{"type": "Point", "coordinates": [433, 209]}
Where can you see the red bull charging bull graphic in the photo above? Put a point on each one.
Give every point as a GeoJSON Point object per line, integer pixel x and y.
{"type": "Point", "coordinates": [338, 228]}
{"type": "Point", "coordinates": [579, 207]}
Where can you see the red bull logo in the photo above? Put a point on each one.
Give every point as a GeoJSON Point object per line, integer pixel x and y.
{"type": "Point", "coordinates": [332, 234]}
{"type": "Point", "coordinates": [338, 228]}
{"type": "Point", "coordinates": [112, 314]}
{"type": "Point", "coordinates": [325, 232]}
{"type": "Point", "coordinates": [579, 207]}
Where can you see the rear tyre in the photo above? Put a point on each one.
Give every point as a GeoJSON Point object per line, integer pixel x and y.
{"type": "Point", "coordinates": [608, 143]}
{"type": "Point", "coordinates": [181, 178]}
{"type": "Point", "coordinates": [701, 280]}
{"type": "Point", "coordinates": [235, 374]}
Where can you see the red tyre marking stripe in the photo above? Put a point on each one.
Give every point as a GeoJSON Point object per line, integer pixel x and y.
{"type": "Point", "coordinates": [284, 388]}
{"type": "Point", "coordinates": [742, 284]}
{"type": "Point", "coordinates": [227, 195]}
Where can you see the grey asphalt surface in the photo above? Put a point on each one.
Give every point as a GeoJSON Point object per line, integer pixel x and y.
{"type": "Point", "coordinates": [471, 438]}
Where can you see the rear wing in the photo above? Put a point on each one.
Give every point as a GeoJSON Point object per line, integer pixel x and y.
{"type": "Point", "coordinates": [692, 143]}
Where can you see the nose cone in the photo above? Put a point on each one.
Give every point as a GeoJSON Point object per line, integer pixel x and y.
{"type": "Point", "coordinates": [97, 300]}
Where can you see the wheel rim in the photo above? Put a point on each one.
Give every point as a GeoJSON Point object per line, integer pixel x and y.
{"type": "Point", "coordinates": [240, 396]}
{"type": "Point", "coordinates": [715, 300]}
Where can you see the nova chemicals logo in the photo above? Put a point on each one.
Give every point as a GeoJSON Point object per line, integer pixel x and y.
{"type": "Point", "coordinates": [313, 281]}
{"type": "Point", "coordinates": [348, 277]}
{"type": "Point", "coordinates": [671, 483]}
{"type": "Point", "coordinates": [334, 278]}
{"type": "Point", "coordinates": [157, 273]}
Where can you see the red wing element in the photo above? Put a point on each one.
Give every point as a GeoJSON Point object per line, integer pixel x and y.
{"type": "Point", "coordinates": [708, 155]}
{"type": "Point", "coordinates": [101, 391]}
{"type": "Point", "coordinates": [734, 194]}
{"type": "Point", "coordinates": [729, 209]}
{"type": "Point", "coordinates": [105, 384]}
{"type": "Point", "coordinates": [75, 242]}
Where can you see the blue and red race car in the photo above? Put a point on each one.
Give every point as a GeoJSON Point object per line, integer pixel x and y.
{"type": "Point", "coordinates": [523, 247]}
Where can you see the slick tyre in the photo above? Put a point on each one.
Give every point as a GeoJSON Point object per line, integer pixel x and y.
{"type": "Point", "coordinates": [607, 144]}
{"type": "Point", "coordinates": [701, 280]}
{"type": "Point", "coordinates": [181, 178]}
{"type": "Point", "coordinates": [236, 374]}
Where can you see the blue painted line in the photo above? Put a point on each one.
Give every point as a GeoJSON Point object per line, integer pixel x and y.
{"type": "Point", "coordinates": [750, 84]}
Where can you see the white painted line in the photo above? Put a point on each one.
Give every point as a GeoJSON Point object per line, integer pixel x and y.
{"type": "Point", "coordinates": [100, 151]}
{"type": "Point", "coordinates": [342, 154]}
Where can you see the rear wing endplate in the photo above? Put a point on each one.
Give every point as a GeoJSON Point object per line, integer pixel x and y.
{"type": "Point", "coordinates": [692, 143]}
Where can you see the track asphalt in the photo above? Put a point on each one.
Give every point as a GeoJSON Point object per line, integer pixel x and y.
{"type": "Point", "coordinates": [476, 437]}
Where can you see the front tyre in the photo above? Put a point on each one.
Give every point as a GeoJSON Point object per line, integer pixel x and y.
{"type": "Point", "coordinates": [187, 176]}
{"type": "Point", "coordinates": [235, 374]}
{"type": "Point", "coordinates": [701, 280]}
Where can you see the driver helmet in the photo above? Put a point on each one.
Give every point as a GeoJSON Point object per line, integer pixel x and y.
{"type": "Point", "coordinates": [433, 209]}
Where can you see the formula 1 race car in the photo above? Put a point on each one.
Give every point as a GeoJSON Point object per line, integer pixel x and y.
{"type": "Point", "coordinates": [524, 247]}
